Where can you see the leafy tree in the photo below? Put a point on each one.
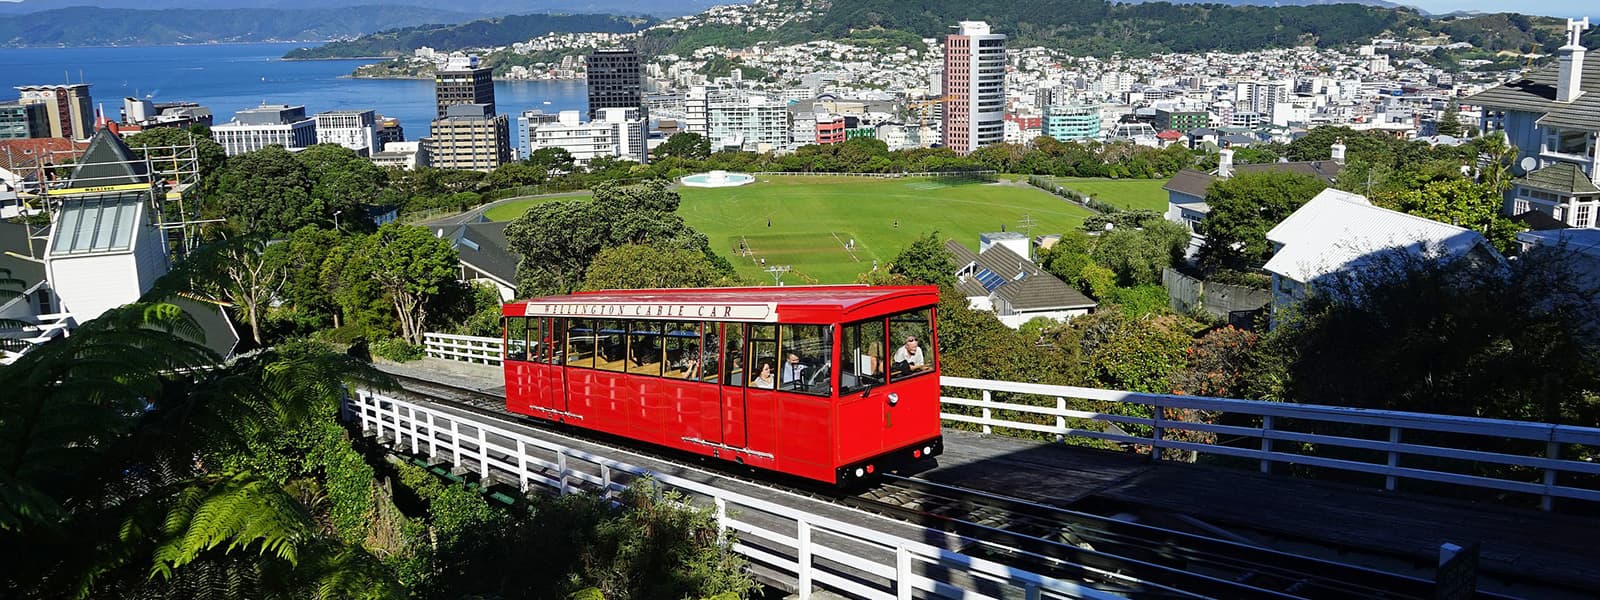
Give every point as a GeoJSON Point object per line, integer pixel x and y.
{"type": "Point", "coordinates": [1141, 300]}
{"type": "Point", "coordinates": [926, 261]}
{"type": "Point", "coordinates": [1464, 203]}
{"type": "Point", "coordinates": [1243, 208]}
{"type": "Point", "coordinates": [269, 193]}
{"type": "Point", "coordinates": [641, 266]}
{"type": "Point", "coordinates": [1221, 364]}
{"type": "Point", "coordinates": [515, 174]}
{"type": "Point", "coordinates": [413, 268]}
{"type": "Point", "coordinates": [302, 257]}
{"type": "Point", "coordinates": [686, 145]}
{"type": "Point", "coordinates": [1126, 353]}
{"type": "Point", "coordinates": [209, 155]}
{"type": "Point", "coordinates": [236, 272]}
{"type": "Point", "coordinates": [346, 275]}
{"type": "Point", "coordinates": [342, 183]}
{"type": "Point", "coordinates": [554, 160]}
{"type": "Point", "coordinates": [1139, 255]}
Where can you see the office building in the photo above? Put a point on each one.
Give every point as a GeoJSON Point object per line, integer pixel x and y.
{"type": "Point", "coordinates": [1181, 120]}
{"type": "Point", "coordinates": [1068, 123]}
{"type": "Point", "coordinates": [755, 124]}
{"type": "Point", "coordinates": [829, 129]}
{"type": "Point", "coordinates": [68, 108]}
{"type": "Point", "coordinates": [266, 125]}
{"type": "Point", "coordinates": [619, 132]}
{"type": "Point", "coordinates": [21, 121]}
{"type": "Point", "coordinates": [614, 80]}
{"type": "Point", "coordinates": [975, 87]}
{"type": "Point", "coordinates": [526, 122]}
{"type": "Point", "coordinates": [470, 136]}
{"type": "Point", "coordinates": [353, 129]}
{"type": "Point", "coordinates": [389, 130]}
{"type": "Point", "coordinates": [462, 81]}
{"type": "Point", "coordinates": [139, 114]}
{"type": "Point", "coordinates": [402, 155]}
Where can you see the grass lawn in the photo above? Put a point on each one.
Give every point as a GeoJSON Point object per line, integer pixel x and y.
{"type": "Point", "coordinates": [1123, 193]}
{"type": "Point", "coordinates": [812, 219]}
{"type": "Point", "coordinates": [512, 209]}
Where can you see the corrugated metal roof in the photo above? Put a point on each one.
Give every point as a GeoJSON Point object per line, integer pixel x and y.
{"type": "Point", "coordinates": [1339, 230]}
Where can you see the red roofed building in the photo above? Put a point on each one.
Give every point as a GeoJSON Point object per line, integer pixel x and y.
{"type": "Point", "coordinates": [21, 159]}
{"type": "Point", "coordinates": [1168, 137]}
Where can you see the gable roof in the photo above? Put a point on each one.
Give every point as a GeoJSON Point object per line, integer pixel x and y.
{"type": "Point", "coordinates": [108, 161]}
{"type": "Point", "coordinates": [1338, 230]}
{"type": "Point", "coordinates": [1563, 178]}
{"type": "Point", "coordinates": [1535, 92]}
{"type": "Point", "coordinates": [483, 246]}
{"type": "Point", "coordinates": [1019, 282]}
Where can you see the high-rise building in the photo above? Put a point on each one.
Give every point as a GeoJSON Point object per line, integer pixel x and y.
{"type": "Point", "coordinates": [974, 87]}
{"type": "Point", "coordinates": [756, 124]}
{"type": "Point", "coordinates": [614, 80]}
{"type": "Point", "coordinates": [462, 81]}
{"type": "Point", "coordinates": [68, 108]}
{"type": "Point", "coordinates": [389, 130]}
{"type": "Point", "coordinates": [470, 136]}
{"type": "Point", "coordinates": [266, 125]}
{"type": "Point", "coordinates": [21, 121]}
{"type": "Point", "coordinates": [619, 132]}
{"type": "Point", "coordinates": [1181, 120]}
{"type": "Point", "coordinates": [353, 129]}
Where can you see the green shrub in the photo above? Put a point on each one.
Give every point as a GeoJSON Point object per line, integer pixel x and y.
{"type": "Point", "coordinates": [397, 350]}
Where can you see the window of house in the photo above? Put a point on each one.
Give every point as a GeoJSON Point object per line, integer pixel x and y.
{"type": "Point", "coordinates": [1584, 215]}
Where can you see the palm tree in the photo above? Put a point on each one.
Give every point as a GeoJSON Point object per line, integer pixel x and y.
{"type": "Point", "coordinates": [101, 435]}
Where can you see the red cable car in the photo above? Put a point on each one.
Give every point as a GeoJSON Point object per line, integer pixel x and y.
{"type": "Point", "coordinates": [831, 383]}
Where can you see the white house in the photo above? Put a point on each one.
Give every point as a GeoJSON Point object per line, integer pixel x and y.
{"type": "Point", "coordinates": [1000, 279]}
{"type": "Point", "coordinates": [1552, 117]}
{"type": "Point", "coordinates": [1186, 191]}
{"type": "Point", "coordinates": [1339, 232]}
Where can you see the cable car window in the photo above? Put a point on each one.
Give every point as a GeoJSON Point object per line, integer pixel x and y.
{"type": "Point", "coordinates": [611, 347]}
{"type": "Point", "coordinates": [556, 353]}
{"type": "Point", "coordinates": [582, 342]}
{"type": "Point", "coordinates": [644, 348]}
{"type": "Point", "coordinates": [913, 346]}
{"type": "Point", "coordinates": [763, 357]}
{"type": "Point", "coordinates": [516, 340]}
{"type": "Point", "coordinates": [536, 345]}
{"type": "Point", "coordinates": [861, 357]}
{"type": "Point", "coordinates": [681, 345]}
{"type": "Point", "coordinates": [709, 353]}
{"type": "Point", "coordinates": [733, 361]}
{"type": "Point", "coordinates": [806, 364]}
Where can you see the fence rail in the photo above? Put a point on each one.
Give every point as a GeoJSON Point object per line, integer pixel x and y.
{"type": "Point", "coordinates": [816, 551]}
{"type": "Point", "coordinates": [464, 348]}
{"type": "Point", "coordinates": [1275, 431]}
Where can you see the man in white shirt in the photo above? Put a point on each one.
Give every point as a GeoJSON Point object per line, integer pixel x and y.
{"type": "Point", "coordinates": [791, 369]}
{"type": "Point", "coordinates": [910, 355]}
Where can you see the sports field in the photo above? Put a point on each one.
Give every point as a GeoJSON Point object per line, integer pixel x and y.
{"type": "Point", "coordinates": [808, 223]}
{"type": "Point", "coordinates": [1122, 193]}
{"type": "Point", "coordinates": [511, 209]}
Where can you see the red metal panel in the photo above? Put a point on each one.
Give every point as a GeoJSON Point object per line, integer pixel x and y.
{"type": "Point", "coordinates": [762, 412]}
{"type": "Point", "coordinates": [803, 431]}
{"type": "Point", "coordinates": [734, 416]}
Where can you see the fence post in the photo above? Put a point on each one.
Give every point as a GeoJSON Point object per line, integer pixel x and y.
{"type": "Point", "coordinates": [561, 469]}
{"type": "Point", "coordinates": [986, 428]}
{"type": "Point", "coordinates": [722, 516]}
{"type": "Point", "coordinates": [483, 457]}
{"type": "Point", "coordinates": [522, 464]}
{"type": "Point", "coordinates": [1266, 444]}
{"type": "Point", "coordinates": [455, 442]}
{"type": "Point", "coordinates": [433, 439]}
{"type": "Point", "coordinates": [605, 481]}
{"type": "Point", "coordinates": [804, 558]}
{"type": "Point", "coordinates": [1061, 419]}
{"type": "Point", "coordinates": [902, 573]}
{"type": "Point", "coordinates": [411, 423]}
{"type": "Point", "coordinates": [1158, 414]}
{"type": "Point", "coordinates": [1552, 451]}
{"type": "Point", "coordinates": [361, 410]}
{"type": "Point", "coordinates": [1390, 480]}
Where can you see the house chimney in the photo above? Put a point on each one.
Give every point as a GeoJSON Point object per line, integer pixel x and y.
{"type": "Point", "coordinates": [1225, 163]}
{"type": "Point", "coordinates": [1338, 151]}
{"type": "Point", "coordinates": [1569, 83]}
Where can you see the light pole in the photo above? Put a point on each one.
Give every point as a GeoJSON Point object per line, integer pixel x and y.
{"type": "Point", "coordinates": [336, 219]}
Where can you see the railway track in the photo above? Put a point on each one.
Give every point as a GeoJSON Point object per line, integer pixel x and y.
{"type": "Point", "coordinates": [1132, 559]}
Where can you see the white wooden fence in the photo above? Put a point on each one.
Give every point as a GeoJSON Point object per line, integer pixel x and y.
{"type": "Point", "coordinates": [465, 348]}
{"type": "Point", "coordinates": [1276, 429]}
{"type": "Point", "coordinates": [817, 552]}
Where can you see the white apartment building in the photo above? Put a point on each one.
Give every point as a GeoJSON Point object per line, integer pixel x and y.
{"type": "Point", "coordinates": [755, 124]}
{"type": "Point", "coordinates": [618, 132]}
{"type": "Point", "coordinates": [353, 129]}
{"type": "Point", "coordinates": [526, 122]}
{"type": "Point", "coordinates": [267, 125]}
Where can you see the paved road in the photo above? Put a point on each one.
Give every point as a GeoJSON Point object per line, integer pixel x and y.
{"type": "Point", "coordinates": [476, 215]}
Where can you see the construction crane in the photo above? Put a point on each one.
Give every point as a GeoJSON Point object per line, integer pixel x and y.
{"type": "Point", "coordinates": [920, 108]}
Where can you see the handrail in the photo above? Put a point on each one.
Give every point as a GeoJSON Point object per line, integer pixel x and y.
{"type": "Point", "coordinates": [904, 564]}
{"type": "Point", "coordinates": [1272, 438]}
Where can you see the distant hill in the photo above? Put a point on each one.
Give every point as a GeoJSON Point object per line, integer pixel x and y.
{"type": "Point", "coordinates": [84, 26]}
{"type": "Point", "coordinates": [477, 8]}
{"type": "Point", "coordinates": [499, 31]}
{"type": "Point", "coordinates": [1382, 3]}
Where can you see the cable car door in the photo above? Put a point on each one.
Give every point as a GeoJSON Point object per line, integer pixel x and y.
{"type": "Point", "coordinates": [733, 410]}
{"type": "Point", "coordinates": [554, 353]}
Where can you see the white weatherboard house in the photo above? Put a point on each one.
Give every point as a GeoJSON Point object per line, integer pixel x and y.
{"type": "Point", "coordinates": [1000, 279]}
{"type": "Point", "coordinates": [1552, 117]}
{"type": "Point", "coordinates": [1339, 232]}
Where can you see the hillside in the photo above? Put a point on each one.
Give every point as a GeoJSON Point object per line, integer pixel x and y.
{"type": "Point", "coordinates": [498, 31]}
{"type": "Point", "coordinates": [85, 26]}
{"type": "Point", "coordinates": [475, 8]}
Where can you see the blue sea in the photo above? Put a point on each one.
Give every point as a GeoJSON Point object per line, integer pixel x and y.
{"type": "Point", "coordinates": [230, 77]}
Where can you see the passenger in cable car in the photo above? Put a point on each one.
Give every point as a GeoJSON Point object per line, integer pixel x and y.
{"type": "Point", "coordinates": [909, 357]}
{"type": "Point", "coordinates": [764, 379]}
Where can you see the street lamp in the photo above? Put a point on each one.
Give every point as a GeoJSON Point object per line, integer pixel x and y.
{"type": "Point", "coordinates": [336, 219]}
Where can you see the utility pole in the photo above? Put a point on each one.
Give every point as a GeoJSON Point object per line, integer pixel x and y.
{"type": "Point", "coordinates": [777, 273]}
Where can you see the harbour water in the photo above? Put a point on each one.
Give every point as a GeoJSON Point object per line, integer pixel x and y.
{"type": "Point", "coordinates": [230, 77]}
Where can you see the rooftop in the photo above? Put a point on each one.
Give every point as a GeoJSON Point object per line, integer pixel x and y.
{"type": "Point", "coordinates": [1337, 230]}
{"type": "Point", "coordinates": [1536, 93]}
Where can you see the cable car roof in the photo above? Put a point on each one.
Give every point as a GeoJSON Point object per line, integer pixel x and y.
{"type": "Point", "coordinates": [813, 304]}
